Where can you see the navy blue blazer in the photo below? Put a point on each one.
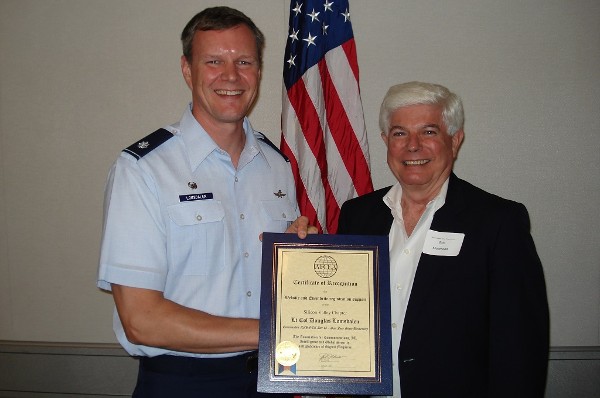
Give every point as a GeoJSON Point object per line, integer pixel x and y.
{"type": "Point", "coordinates": [477, 324]}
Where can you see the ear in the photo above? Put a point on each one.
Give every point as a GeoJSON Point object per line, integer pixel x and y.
{"type": "Point", "coordinates": [457, 140]}
{"type": "Point", "coordinates": [186, 71]}
{"type": "Point", "coordinates": [384, 137]}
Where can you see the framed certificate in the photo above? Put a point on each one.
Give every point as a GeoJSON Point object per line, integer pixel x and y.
{"type": "Point", "coordinates": [325, 315]}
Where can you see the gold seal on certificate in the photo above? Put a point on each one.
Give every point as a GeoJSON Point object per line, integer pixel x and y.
{"type": "Point", "coordinates": [287, 353]}
{"type": "Point", "coordinates": [326, 296]}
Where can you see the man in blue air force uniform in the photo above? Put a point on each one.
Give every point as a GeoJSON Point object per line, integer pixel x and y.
{"type": "Point", "coordinates": [184, 211]}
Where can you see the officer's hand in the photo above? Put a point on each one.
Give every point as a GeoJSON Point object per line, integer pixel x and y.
{"type": "Point", "coordinates": [300, 226]}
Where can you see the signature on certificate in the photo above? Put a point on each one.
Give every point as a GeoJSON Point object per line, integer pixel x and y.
{"type": "Point", "coordinates": [330, 357]}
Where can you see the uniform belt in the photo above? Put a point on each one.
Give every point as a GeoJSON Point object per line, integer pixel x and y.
{"type": "Point", "coordinates": [191, 366]}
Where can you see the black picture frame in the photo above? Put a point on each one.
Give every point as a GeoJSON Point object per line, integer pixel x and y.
{"type": "Point", "coordinates": [271, 378]}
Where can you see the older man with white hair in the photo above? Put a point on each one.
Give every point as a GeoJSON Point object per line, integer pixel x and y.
{"type": "Point", "coordinates": [469, 306]}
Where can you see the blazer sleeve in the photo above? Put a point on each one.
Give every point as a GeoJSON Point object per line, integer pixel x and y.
{"type": "Point", "coordinates": [345, 220]}
{"type": "Point", "coordinates": [518, 310]}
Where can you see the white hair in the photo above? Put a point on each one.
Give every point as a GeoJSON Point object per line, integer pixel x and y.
{"type": "Point", "coordinates": [419, 93]}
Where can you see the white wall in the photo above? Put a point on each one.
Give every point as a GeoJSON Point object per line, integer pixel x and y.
{"type": "Point", "coordinates": [80, 80]}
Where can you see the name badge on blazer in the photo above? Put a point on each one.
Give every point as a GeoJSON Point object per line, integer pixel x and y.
{"type": "Point", "coordinates": [443, 243]}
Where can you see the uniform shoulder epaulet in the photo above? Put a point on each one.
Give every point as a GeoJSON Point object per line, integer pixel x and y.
{"type": "Point", "coordinates": [267, 141]}
{"type": "Point", "coordinates": [148, 143]}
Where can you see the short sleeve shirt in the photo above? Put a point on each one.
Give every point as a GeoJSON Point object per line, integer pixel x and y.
{"type": "Point", "coordinates": [181, 219]}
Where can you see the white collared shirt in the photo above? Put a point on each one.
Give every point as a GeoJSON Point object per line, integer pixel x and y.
{"type": "Point", "coordinates": [405, 253]}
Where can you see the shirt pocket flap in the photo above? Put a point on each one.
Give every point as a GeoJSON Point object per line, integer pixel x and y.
{"type": "Point", "coordinates": [279, 210]}
{"type": "Point", "coordinates": [200, 212]}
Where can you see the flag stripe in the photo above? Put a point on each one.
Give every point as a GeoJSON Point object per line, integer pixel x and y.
{"type": "Point", "coordinates": [337, 131]}
{"type": "Point", "coordinates": [350, 50]}
{"type": "Point", "coordinates": [302, 197]}
{"type": "Point", "coordinates": [346, 81]}
{"type": "Point", "coordinates": [320, 142]}
{"type": "Point", "coordinates": [314, 177]}
{"type": "Point", "coordinates": [296, 147]}
{"type": "Point", "coordinates": [342, 106]}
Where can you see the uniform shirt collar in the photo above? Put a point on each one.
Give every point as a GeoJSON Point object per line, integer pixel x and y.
{"type": "Point", "coordinates": [199, 145]}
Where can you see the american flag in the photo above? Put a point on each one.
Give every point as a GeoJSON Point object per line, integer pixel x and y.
{"type": "Point", "coordinates": [323, 127]}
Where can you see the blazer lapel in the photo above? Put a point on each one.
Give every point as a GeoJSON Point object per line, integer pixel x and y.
{"type": "Point", "coordinates": [427, 273]}
{"type": "Point", "coordinates": [446, 216]}
{"type": "Point", "coordinates": [376, 218]}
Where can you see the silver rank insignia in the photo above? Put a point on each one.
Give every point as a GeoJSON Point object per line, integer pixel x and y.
{"type": "Point", "coordinates": [279, 194]}
{"type": "Point", "coordinates": [143, 145]}
{"type": "Point", "coordinates": [192, 185]}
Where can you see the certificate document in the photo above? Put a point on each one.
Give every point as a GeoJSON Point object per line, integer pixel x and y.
{"type": "Point", "coordinates": [325, 311]}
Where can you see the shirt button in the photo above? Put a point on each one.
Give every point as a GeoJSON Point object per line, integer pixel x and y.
{"type": "Point", "coordinates": [398, 286]}
{"type": "Point", "coordinates": [249, 293]}
{"type": "Point", "coordinates": [199, 217]}
{"type": "Point", "coordinates": [246, 255]}
{"type": "Point", "coordinates": [394, 326]}
{"type": "Point", "coordinates": [406, 251]}
{"type": "Point", "coordinates": [236, 179]}
{"type": "Point", "coordinates": [283, 215]}
{"type": "Point", "coordinates": [242, 216]}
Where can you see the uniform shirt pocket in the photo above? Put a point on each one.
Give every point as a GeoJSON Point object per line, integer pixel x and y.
{"type": "Point", "coordinates": [279, 215]}
{"type": "Point", "coordinates": [197, 236]}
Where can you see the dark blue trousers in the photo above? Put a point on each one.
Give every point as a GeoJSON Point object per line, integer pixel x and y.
{"type": "Point", "coordinates": [168, 376]}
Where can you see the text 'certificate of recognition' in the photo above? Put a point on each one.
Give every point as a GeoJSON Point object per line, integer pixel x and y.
{"type": "Point", "coordinates": [323, 302]}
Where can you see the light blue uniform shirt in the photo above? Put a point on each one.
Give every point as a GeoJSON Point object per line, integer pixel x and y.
{"type": "Point", "coordinates": [183, 220]}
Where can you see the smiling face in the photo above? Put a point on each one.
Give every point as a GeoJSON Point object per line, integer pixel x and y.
{"type": "Point", "coordinates": [420, 153]}
{"type": "Point", "coordinates": [223, 74]}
